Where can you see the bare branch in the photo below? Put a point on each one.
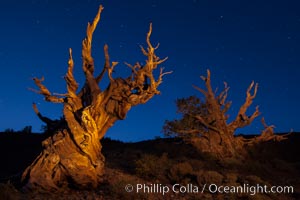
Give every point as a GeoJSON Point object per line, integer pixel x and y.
{"type": "Point", "coordinates": [223, 95]}
{"type": "Point", "coordinates": [41, 117]}
{"type": "Point", "coordinates": [72, 85]}
{"type": "Point", "coordinates": [265, 124]}
{"type": "Point", "coordinates": [266, 135]}
{"type": "Point", "coordinates": [200, 90]}
{"type": "Point", "coordinates": [45, 92]}
{"type": "Point", "coordinates": [143, 50]}
{"type": "Point", "coordinates": [156, 46]}
{"type": "Point", "coordinates": [133, 68]}
{"type": "Point", "coordinates": [249, 96]}
{"type": "Point", "coordinates": [209, 93]}
{"type": "Point", "coordinates": [242, 119]}
{"type": "Point", "coordinates": [208, 86]}
{"type": "Point", "coordinates": [148, 38]}
{"type": "Point", "coordinates": [106, 64]}
{"type": "Point", "coordinates": [161, 61]}
{"type": "Point", "coordinates": [226, 108]}
{"type": "Point", "coordinates": [88, 61]}
{"type": "Point", "coordinates": [207, 124]}
{"type": "Point", "coordinates": [153, 60]}
{"type": "Point", "coordinates": [161, 74]}
{"type": "Point", "coordinates": [61, 95]}
{"type": "Point", "coordinates": [140, 75]}
{"type": "Point", "coordinates": [203, 78]}
{"type": "Point", "coordinates": [110, 70]}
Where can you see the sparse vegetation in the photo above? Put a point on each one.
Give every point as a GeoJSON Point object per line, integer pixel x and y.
{"type": "Point", "coordinates": [153, 167]}
{"type": "Point", "coordinates": [181, 173]}
{"type": "Point", "coordinates": [159, 161]}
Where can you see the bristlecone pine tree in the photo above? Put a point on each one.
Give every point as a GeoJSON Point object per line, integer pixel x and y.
{"type": "Point", "coordinates": [205, 124]}
{"type": "Point", "coordinates": [72, 155]}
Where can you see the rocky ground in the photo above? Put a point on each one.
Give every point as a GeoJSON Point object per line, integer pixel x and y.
{"type": "Point", "coordinates": [156, 166]}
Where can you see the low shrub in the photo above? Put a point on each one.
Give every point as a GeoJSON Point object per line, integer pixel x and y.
{"type": "Point", "coordinates": [153, 167]}
{"type": "Point", "coordinates": [181, 173]}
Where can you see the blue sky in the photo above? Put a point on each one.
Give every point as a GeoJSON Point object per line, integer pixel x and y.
{"type": "Point", "coordinates": [239, 41]}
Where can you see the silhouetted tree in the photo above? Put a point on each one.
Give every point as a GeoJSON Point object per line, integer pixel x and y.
{"type": "Point", "coordinates": [27, 129]}
{"type": "Point", "coordinates": [205, 124]}
{"type": "Point", "coordinates": [9, 130]}
{"type": "Point", "coordinates": [72, 155]}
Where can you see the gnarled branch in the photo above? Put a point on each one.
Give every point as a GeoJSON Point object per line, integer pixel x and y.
{"type": "Point", "coordinates": [72, 85]}
{"type": "Point", "coordinates": [47, 120]}
{"type": "Point", "coordinates": [140, 74]}
{"type": "Point", "coordinates": [242, 119]}
{"type": "Point", "coordinates": [207, 124]}
{"type": "Point", "coordinates": [45, 92]}
{"type": "Point", "coordinates": [88, 61]}
{"type": "Point", "coordinates": [267, 134]}
{"type": "Point", "coordinates": [106, 64]}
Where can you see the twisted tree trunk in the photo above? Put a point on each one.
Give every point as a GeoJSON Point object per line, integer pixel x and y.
{"type": "Point", "coordinates": [72, 155]}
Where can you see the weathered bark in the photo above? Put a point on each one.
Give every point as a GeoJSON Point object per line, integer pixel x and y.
{"type": "Point", "coordinates": [213, 132]}
{"type": "Point", "coordinates": [72, 155]}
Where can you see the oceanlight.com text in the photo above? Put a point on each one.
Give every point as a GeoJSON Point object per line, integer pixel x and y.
{"type": "Point", "coordinates": [210, 188]}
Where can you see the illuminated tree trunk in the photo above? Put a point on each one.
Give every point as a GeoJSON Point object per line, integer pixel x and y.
{"type": "Point", "coordinates": [72, 155]}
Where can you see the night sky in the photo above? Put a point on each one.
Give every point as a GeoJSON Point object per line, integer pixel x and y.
{"type": "Point", "coordinates": [239, 41]}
